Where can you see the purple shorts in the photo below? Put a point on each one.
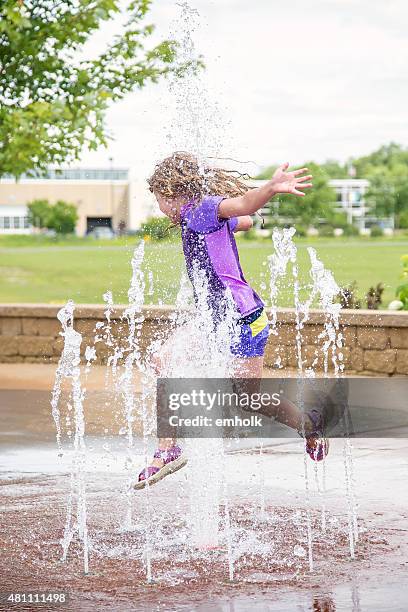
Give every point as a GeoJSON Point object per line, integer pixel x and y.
{"type": "Point", "coordinates": [252, 336]}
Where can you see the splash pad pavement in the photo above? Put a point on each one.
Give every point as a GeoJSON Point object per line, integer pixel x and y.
{"type": "Point", "coordinates": [265, 536]}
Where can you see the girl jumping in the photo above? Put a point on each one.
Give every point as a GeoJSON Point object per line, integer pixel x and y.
{"type": "Point", "coordinates": [210, 205]}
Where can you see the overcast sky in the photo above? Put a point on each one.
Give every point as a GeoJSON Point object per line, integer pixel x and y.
{"type": "Point", "coordinates": [284, 81]}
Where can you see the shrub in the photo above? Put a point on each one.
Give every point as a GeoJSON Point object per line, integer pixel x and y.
{"type": "Point", "coordinates": [348, 296]}
{"type": "Point", "coordinates": [337, 219]}
{"type": "Point", "coordinates": [403, 220]}
{"type": "Point", "coordinates": [376, 231]}
{"type": "Point", "coordinates": [250, 234]}
{"type": "Point", "coordinates": [60, 217]}
{"type": "Point", "coordinates": [402, 290]}
{"type": "Point", "coordinates": [63, 218]}
{"type": "Point", "coordinates": [350, 230]}
{"type": "Point", "coordinates": [374, 297]}
{"type": "Point", "coordinates": [326, 230]}
{"type": "Point", "coordinates": [301, 230]}
{"type": "Point", "coordinates": [156, 228]}
{"type": "Point", "coordinates": [39, 213]}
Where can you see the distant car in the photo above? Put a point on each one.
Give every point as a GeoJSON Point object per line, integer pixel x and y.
{"type": "Point", "coordinates": [102, 233]}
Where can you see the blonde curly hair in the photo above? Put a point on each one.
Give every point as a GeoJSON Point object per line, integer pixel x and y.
{"type": "Point", "coordinates": [182, 176]}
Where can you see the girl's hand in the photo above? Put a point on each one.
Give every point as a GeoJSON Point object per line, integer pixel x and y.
{"type": "Point", "coordinates": [290, 182]}
{"type": "Point", "coordinates": [255, 199]}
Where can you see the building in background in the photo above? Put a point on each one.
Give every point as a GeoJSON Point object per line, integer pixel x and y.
{"type": "Point", "coordinates": [112, 197]}
{"type": "Point", "coordinates": [350, 199]}
{"type": "Point", "coordinates": [105, 197]}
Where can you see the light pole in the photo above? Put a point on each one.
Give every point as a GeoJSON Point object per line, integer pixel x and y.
{"type": "Point", "coordinates": [111, 185]}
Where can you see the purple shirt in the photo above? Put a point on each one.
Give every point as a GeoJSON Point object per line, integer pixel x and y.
{"type": "Point", "coordinates": [209, 243]}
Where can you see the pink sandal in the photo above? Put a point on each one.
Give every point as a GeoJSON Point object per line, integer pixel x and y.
{"type": "Point", "coordinates": [173, 461]}
{"type": "Point", "coordinates": [317, 446]}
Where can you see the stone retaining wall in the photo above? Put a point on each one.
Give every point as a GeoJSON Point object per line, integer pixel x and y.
{"type": "Point", "coordinates": [376, 343]}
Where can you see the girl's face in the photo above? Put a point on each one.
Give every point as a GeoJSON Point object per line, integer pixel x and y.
{"type": "Point", "coordinates": [169, 206]}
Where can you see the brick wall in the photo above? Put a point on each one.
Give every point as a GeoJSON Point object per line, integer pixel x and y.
{"type": "Point", "coordinates": [376, 343]}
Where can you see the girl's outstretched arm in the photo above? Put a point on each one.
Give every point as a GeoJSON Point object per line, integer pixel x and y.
{"type": "Point", "coordinates": [282, 182]}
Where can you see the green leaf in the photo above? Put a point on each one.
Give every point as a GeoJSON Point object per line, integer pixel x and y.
{"type": "Point", "coordinates": [45, 86]}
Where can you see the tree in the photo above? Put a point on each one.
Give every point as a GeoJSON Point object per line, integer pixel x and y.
{"type": "Point", "coordinates": [387, 170]}
{"type": "Point", "coordinates": [403, 220]}
{"type": "Point", "coordinates": [388, 196]}
{"type": "Point", "coordinates": [39, 213]}
{"type": "Point", "coordinates": [334, 170]}
{"type": "Point", "coordinates": [388, 159]}
{"type": "Point", "coordinates": [63, 218]}
{"type": "Point", "coordinates": [331, 168]}
{"type": "Point", "coordinates": [316, 204]}
{"type": "Point", "coordinates": [53, 102]}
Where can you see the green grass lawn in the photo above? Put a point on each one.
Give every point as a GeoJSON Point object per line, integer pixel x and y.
{"type": "Point", "coordinates": [53, 273]}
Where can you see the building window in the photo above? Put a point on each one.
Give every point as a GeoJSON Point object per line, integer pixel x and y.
{"type": "Point", "coordinates": [17, 223]}
{"type": "Point", "coordinates": [72, 174]}
{"type": "Point", "coordinates": [355, 198]}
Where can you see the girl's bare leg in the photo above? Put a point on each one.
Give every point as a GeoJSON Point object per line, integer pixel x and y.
{"type": "Point", "coordinates": [158, 363]}
{"type": "Point", "coordinates": [286, 412]}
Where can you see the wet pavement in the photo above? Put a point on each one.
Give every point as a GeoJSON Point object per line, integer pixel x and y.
{"type": "Point", "coordinates": [269, 549]}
